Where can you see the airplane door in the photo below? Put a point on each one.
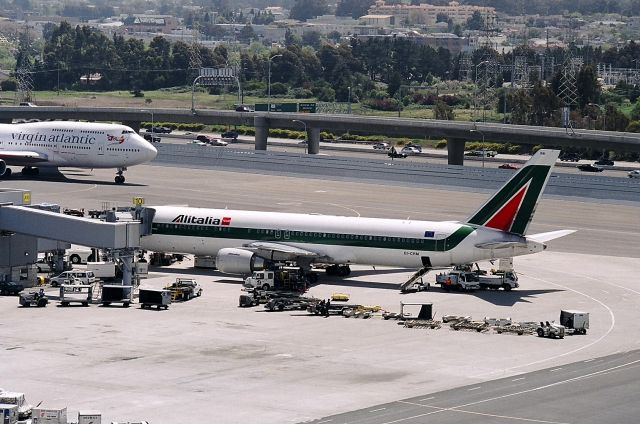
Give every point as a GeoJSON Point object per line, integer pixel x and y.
{"type": "Point", "coordinates": [101, 142]}
{"type": "Point", "coordinates": [278, 234]}
{"type": "Point", "coordinates": [286, 234]}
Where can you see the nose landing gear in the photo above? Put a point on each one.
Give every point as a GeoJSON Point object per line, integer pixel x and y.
{"type": "Point", "coordinates": [120, 178]}
{"type": "Point", "coordinates": [31, 171]}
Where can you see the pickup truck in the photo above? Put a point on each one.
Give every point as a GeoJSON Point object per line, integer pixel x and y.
{"type": "Point", "coordinates": [9, 287]}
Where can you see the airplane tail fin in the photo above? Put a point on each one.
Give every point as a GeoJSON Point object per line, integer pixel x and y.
{"type": "Point", "coordinates": [512, 207]}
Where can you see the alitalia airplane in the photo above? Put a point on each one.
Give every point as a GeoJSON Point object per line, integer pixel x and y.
{"type": "Point", "coordinates": [244, 241]}
{"type": "Point", "coordinates": [74, 144]}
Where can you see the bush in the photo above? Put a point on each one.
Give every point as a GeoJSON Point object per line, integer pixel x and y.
{"type": "Point", "coordinates": [442, 144]}
{"type": "Point", "coordinates": [137, 93]}
{"type": "Point", "coordinates": [301, 93]}
{"type": "Point", "coordinates": [278, 88]}
{"type": "Point", "coordinates": [387, 104]}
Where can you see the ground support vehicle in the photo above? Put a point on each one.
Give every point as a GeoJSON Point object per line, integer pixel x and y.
{"type": "Point", "coordinates": [89, 417]}
{"type": "Point", "coordinates": [249, 298]}
{"type": "Point", "coordinates": [506, 280]}
{"type": "Point", "coordinates": [481, 153]}
{"type": "Point", "coordinates": [69, 294]}
{"type": "Point", "coordinates": [550, 330]}
{"type": "Point", "coordinates": [395, 154]}
{"type": "Point", "coordinates": [204, 262]}
{"type": "Point", "coordinates": [38, 299]}
{"type": "Point", "coordinates": [184, 289]}
{"type": "Point", "coordinates": [154, 297]}
{"type": "Point", "coordinates": [318, 308]}
{"type": "Point", "coordinates": [73, 277]}
{"type": "Point", "coordinates": [10, 288]}
{"type": "Point", "coordinates": [575, 322]}
{"type": "Point", "coordinates": [458, 280]}
{"type": "Point", "coordinates": [8, 413]}
{"type": "Point", "coordinates": [116, 294]}
{"type": "Point", "coordinates": [17, 399]}
{"type": "Point", "coordinates": [285, 279]}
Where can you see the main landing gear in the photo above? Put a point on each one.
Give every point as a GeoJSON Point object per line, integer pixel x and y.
{"type": "Point", "coordinates": [120, 178]}
{"type": "Point", "coordinates": [339, 270]}
{"type": "Point", "coordinates": [30, 171]}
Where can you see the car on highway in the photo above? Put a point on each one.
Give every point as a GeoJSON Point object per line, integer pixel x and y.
{"type": "Point", "coordinates": [481, 153]}
{"type": "Point", "coordinates": [231, 135]}
{"type": "Point", "coordinates": [634, 174]}
{"type": "Point", "coordinates": [508, 166]}
{"type": "Point", "coordinates": [160, 130]}
{"type": "Point", "coordinates": [199, 143]}
{"type": "Point", "coordinates": [416, 146]}
{"type": "Point", "coordinates": [604, 162]}
{"type": "Point", "coordinates": [410, 150]}
{"type": "Point", "coordinates": [243, 108]}
{"type": "Point", "coordinates": [217, 142]}
{"type": "Point", "coordinates": [381, 146]}
{"type": "Point", "coordinates": [587, 167]}
{"type": "Point", "coordinates": [150, 137]}
{"type": "Point", "coordinates": [569, 157]}
{"type": "Point", "coordinates": [207, 139]}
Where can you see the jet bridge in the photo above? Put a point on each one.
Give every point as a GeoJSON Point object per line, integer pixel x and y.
{"type": "Point", "coordinates": [21, 225]}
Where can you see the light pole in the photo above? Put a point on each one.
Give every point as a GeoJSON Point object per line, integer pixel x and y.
{"type": "Point", "coordinates": [269, 83]}
{"type": "Point", "coordinates": [483, 151]}
{"type": "Point", "coordinates": [151, 112]}
{"type": "Point", "coordinates": [306, 144]}
{"type": "Point", "coordinates": [349, 99]}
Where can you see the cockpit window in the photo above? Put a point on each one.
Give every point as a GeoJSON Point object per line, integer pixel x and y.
{"type": "Point", "coordinates": [127, 131]}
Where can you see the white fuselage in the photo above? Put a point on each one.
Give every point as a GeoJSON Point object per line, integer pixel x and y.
{"type": "Point", "coordinates": [335, 239]}
{"type": "Point", "coordinates": [75, 144]}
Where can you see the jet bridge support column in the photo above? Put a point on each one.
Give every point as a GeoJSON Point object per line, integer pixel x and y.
{"type": "Point", "coordinates": [126, 259]}
{"type": "Point", "coordinates": [261, 125]}
{"type": "Point", "coordinates": [313, 141]}
{"type": "Point", "coordinates": [455, 148]}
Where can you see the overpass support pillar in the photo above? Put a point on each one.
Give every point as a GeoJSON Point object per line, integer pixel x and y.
{"type": "Point", "coordinates": [261, 125]}
{"type": "Point", "coordinates": [313, 141]}
{"type": "Point", "coordinates": [134, 125]}
{"type": "Point", "coordinates": [455, 148]}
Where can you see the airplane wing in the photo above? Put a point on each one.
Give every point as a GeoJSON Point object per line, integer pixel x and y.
{"type": "Point", "coordinates": [22, 157]}
{"type": "Point", "coordinates": [279, 251]}
{"type": "Point", "coordinates": [551, 235]}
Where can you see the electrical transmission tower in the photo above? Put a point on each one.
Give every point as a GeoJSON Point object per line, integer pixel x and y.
{"type": "Point", "coordinates": [24, 76]}
{"type": "Point", "coordinates": [465, 71]}
{"type": "Point", "coordinates": [487, 70]}
{"type": "Point", "coordinates": [195, 58]}
{"type": "Point", "coordinates": [568, 90]}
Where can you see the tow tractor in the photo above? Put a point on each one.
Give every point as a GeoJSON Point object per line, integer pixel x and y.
{"type": "Point", "coordinates": [464, 277]}
{"type": "Point", "coordinates": [457, 279]}
{"type": "Point", "coordinates": [184, 289]}
{"type": "Point", "coordinates": [550, 330]}
{"type": "Point", "coordinates": [38, 299]}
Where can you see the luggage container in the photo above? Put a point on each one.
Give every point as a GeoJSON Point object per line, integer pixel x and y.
{"type": "Point", "coordinates": [116, 294]}
{"type": "Point", "coordinates": [576, 322]}
{"type": "Point", "coordinates": [42, 415]}
{"type": "Point", "coordinates": [89, 417]}
{"type": "Point", "coordinates": [75, 294]}
{"type": "Point", "coordinates": [154, 297]}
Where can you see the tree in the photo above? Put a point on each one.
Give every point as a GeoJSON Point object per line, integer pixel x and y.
{"type": "Point", "coordinates": [246, 34]}
{"type": "Point", "coordinates": [307, 9]}
{"type": "Point", "coordinates": [354, 8]}
{"type": "Point", "coordinates": [587, 86]}
{"type": "Point", "coordinates": [312, 38]}
{"type": "Point", "coordinates": [442, 111]}
{"type": "Point", "coordinates": [475, 22]}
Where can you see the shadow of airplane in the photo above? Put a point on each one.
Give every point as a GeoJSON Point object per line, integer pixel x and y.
{"type": "Point", "coordinates": [501, 297]}
{"type": "Point", "coordinates": [57, 176]}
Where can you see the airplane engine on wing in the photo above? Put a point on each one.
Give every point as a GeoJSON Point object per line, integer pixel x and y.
{"type": "Point", "coordinates": [239, 261]}
{"type": "Point", "coordinates": [3, 168]}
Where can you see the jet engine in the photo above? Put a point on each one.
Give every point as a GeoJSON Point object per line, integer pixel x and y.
{"type": "Point", "coordinates": [239, 261]}
{"type": "Point", "coordinates": [3, 168]}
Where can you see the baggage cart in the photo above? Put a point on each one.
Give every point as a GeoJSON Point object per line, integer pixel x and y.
{"type": "Point", "coordinates": [154, 297]}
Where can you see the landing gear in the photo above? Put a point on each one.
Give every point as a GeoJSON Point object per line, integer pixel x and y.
{"type": "Point", "coordinates": [120, 178]}
{"type": "Point", "coordinates": [30, 171]}
{"type": "Point", "coordinates": [6, 175]}
{"type": "Point", "coordinates": [339, 270]}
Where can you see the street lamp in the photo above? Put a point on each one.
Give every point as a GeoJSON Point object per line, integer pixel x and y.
{"type": "Point", "coordinates": [349, 99]}
{"type": "Point", "coordinates": [151, 112]}
{"type": "Point", "coordinates": [483, 152]}
{"type": "Point", "coordinates": [306, 144]}
{"type": "Point", "coordinates": [269, 83]}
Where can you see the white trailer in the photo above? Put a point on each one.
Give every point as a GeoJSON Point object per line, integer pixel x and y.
{"type": "Point", "coordinates": [8, 413]}
{"type": "Point", "coordinates": [577, 322]}
{"type": "Point", "coordinates": [102, 270]}
{"type": "Point", "coordinates": [204, 262]}
{"type": "Point", "coordinates": [89, 417]}
{"type": "Point", "coordinates": [69, 294]}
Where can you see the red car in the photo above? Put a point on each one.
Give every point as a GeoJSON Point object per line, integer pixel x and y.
{"type": "Point", "coordinates": [508, 166]}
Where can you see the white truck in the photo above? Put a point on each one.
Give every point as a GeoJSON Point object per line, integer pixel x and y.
{"type": "Point", "coordinates": [105, 271]}
{"type": "Point", "coordinates": [458, 280]}
{"type": "Point", "coordinates": [499, 279]}
{"type": "Point", "coordinates": [285, 278]}
{"type": "Point", "coordinates": [73, 277]}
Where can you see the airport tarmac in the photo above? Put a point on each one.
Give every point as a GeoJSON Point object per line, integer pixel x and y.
{"type": "Point", "coordinates": [208, 360]}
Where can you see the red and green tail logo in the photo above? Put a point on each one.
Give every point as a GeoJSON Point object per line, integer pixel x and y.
{"type": "Point", "coordinates": [511, 208]}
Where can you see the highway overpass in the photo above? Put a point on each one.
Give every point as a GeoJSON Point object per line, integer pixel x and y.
{"type": "Point", "coordinates": [456, 132]}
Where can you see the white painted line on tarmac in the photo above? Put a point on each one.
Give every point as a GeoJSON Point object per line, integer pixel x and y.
{"type": "Point", "coordinates": [589, 360]}
{"type": "Point", "coordinates": [325, 421]}
{"type": "Point", "coordinates": [604, 291]}
{"type": "Point", "coordinates": [518, 379]}
{"type": "Point", "coordinates": [377, 410]}
{"type": "Point", "coordinates": [320, 191]}
{"type": "Point", "coordinates": [475, 388]}
{"type": "Point", "coordinates": [555, 369]}
{"type": "Point", "coordinates": [429, 398]}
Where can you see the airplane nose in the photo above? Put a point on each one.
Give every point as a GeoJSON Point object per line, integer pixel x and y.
{"type": "Point", "coordinates": [150, 151]}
